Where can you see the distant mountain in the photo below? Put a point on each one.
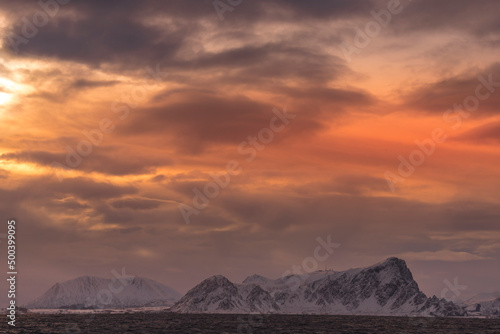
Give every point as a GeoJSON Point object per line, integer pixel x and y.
{"type": "Point", "coordinates": [387, 288]}
{"type": "Point", "coordinates": [484, 304]}
{"type": "Point", "coordinates": [483, 297]}
{"type": "Point", "coordinates": [94, 292]}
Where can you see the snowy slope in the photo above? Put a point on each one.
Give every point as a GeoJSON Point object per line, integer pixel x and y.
{"type": "Point", "coordinates": [95, 292]}
{"type": "Point", "coordinates": [490, 308]}
{"type": "Point", "coordinates": [386, 288]}
{"type": "Point", "coordinates": [486, 304]}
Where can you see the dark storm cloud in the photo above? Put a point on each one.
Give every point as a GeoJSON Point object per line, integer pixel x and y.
{"type": "Point", "coordinates": [330, 96]}
{"type": "Point", "coordinates": [204, 8]}
{"type": "Point", "coordinates": [271, 61]}
{"type": "Point", "coordinates": [68, 92]}
{"type": "Point", "coordinates": [118, 32]}
{"type": "Point", "coordinates": [99, 40]}
{"type": "Point", "coordinates": [477, 17]}
{"type": "Point", "coordinates": [83, 83]}
{"type": "Point", "coordinates": [136, 204]}
{"type": "Point", "coordinates": [113, 32]}
{"type": "Point", "coordinates": [325, 9]}
{"type": "Point", "coordinates": [440, 96]}
{"type": "Point", "coordinates": [200, 120]}
{"type": "Point", "coordinates": [106, 160]}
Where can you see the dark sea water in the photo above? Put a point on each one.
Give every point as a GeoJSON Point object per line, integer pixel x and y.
{"type": "Point", "coordinates": [207, 323]}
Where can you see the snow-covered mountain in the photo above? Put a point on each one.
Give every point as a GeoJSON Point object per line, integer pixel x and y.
{"type": "Point", "coordinates": [386, 288]}
{"type": "Point", "coordinates": [484, 304]}
{"type": "Point", "coordinates": [95, 292]}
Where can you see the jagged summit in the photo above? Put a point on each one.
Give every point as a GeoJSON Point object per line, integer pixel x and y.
{"type": "Point", "coordinates": [219, 278]}
{"type": "Point", "coordinates": [255, 279]}
{"type": "Point", "coordinates": [386, 288]}
{"type": "Point", "coordinates": [394, 265]}
{"type": "Point", "coordinates": [96, 292]}
{"type": "Point", "coordinates": [393, 262]}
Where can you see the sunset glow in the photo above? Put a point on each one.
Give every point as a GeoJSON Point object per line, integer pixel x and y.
{"type": "Point", "coordinates": [116, 116]}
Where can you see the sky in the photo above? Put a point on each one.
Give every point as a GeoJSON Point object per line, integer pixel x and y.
{"type": "Point", "coordinates": [176, 140]}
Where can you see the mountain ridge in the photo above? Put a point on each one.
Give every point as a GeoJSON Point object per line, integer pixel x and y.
{"type": "Point", "coordinates": [386, 288]}
{"type": "Point", "coordinates": [95, 292]}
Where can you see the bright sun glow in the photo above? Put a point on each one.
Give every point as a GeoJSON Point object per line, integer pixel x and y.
{"type": "Point", "coordinates": [7, 90]}
{"type": "Point", "coordinates": [5, 98]}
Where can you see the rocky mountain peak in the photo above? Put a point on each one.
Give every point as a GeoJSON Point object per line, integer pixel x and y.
{"type": "Point", "coordinates": [386, 288]}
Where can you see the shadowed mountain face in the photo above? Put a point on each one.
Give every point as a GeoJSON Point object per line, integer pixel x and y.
{"type": "Point", "coordinates": [94, 292]}
{"type": "Point", "coordinates": [387, 288]}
